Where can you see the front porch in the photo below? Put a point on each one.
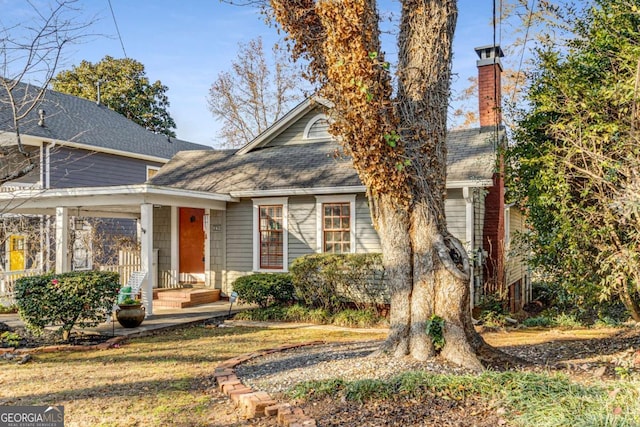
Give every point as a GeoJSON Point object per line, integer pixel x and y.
{"type": "Point", "coordinates": [158, 213]}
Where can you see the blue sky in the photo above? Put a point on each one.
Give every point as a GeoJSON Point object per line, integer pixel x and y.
{"type": "Point", "coordinates": [185, 44]}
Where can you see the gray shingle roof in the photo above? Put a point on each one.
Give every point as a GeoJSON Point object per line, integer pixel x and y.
{"type": "Point", "coordinates": [72, 119]}
{"type": "Point", "coordinates": [471, 154]}
{"type": "Point", "coordinates": [271, 168]}
{"type": "Point", "coordinates": [471, 157]}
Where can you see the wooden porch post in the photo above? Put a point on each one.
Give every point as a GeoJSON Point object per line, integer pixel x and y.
{"type": "Point", "coordinates": [146, 255]}
{"type": "Point", "coordinates": [62, 240]}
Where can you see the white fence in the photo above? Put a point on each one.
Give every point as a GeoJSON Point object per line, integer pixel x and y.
{"type": "Point", "coordinates": [8, 280]}
{"type": "Point", "coordinates": [128, 262]}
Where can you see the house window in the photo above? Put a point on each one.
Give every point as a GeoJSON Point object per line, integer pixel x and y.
{"type": "Point", "coordinates": [336, 223]}
{"type": "Point", "coordinates": [271, 238]}
{"type": "Point", "coordinates": [270, 234]}
{"type": "Point", "coordinates": [336, 227]}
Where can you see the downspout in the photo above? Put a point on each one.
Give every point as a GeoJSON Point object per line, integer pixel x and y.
{"type": "Point", "coordinates": [467, 194]}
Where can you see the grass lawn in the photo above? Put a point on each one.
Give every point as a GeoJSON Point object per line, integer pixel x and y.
{"type": "Point", "coordinates": [152, 381]}
{"type": "Point", "coordinates": [165, 380]}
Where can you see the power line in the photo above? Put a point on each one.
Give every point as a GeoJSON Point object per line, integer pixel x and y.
{"type": "Point", "coordinates": [117, 29]}
{"type": "Point", "coordinates": [524, 47]}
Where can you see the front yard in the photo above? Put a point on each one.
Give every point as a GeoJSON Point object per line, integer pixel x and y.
{"type": "Point", "coordinates": [159, 380]}
{"type": "Point", "coordinates": [167, 380]}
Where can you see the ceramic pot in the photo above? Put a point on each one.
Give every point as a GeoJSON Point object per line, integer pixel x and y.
{"type": "Point", "coordinates": [130, 315]}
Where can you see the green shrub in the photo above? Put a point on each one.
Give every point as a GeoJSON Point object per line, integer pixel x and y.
{"type": "Point", "coordinates": [264, 289]}
{"type": "Point", "coordinates": [297, 313]}
{"type": "Point", "coordinates": [567, 321]}
{"type": "Point", "coordinates": [357, 318]}
{"type": "Point", "coordinates": [338, 281]}
{"type": "Point", "coordinates": [537, 322]}
{"type": "Point", "coordinates": [68, 299]}
{"type": "Point", "coordinates": [272, 313]}
{"type": "Point", "coordinates": [319, 315]}
{"type": "Point", "coordinates": [9, 339]}
{"type": "Point", "coordinates": [12, 308]}
{"type": "Point", "coordinates": [492, 319]}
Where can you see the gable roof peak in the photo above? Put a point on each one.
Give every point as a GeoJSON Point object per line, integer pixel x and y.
{"type": "Point", "coordinates": [284, 122]}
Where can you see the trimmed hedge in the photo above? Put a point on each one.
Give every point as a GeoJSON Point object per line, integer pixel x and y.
{"type": "Point", "coordinates": [264, 289]}
{"type": "Point", "coordinates": [338, 281]}
{"type": "Point", "coordinates": [82, 298]}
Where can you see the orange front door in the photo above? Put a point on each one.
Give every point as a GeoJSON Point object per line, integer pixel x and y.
{"type": "Point", "coordinates": [191, 244]}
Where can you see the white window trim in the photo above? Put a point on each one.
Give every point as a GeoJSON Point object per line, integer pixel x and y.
{"type": "Point", "coordinates": [310, 124]}
{"type": "Point", "coordinates": [151, 168]}
{"type": "Point", "coordinates": [342, 198]}
{"type": "Point", "coordinates": [284, 201]}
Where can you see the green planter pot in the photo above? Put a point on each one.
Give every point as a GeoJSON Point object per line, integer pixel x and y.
{"type": "Point", "coordinates": [130, 315]}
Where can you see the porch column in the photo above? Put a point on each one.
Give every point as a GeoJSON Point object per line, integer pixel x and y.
{"type": "Point", "coordinates": [62, 240]}
{"type": "Point", "coordinates": [470, 232]}
{"type": "Point", "coordinates": [206, 224]}
{"type": "Point", "coordinates": [146, 255]}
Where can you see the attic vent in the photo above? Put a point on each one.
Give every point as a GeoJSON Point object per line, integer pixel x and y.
{"type": "Point", "coordinates": [317, 128]}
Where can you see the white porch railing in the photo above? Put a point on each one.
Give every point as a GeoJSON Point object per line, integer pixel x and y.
{"type": "Point", "coordinates": [128, 262]}
{"type": "Point", "coordinates": [8, 280]}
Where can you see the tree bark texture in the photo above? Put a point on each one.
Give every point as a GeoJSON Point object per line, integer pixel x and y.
{"type": "Point", "coordinates": [398, 147]}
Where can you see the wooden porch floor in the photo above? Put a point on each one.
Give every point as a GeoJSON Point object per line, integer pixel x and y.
{"type": "Point", "coordinates": [184, 297]}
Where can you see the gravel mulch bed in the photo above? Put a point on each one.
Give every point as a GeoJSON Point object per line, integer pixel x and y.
{"type": "Point", "coordinates": [278, 372]}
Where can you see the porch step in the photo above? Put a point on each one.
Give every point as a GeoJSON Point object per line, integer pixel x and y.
{"type": "Point", "coordinates": [182, 298]}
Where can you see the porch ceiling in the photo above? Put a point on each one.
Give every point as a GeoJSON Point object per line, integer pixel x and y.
{"type": "Point", "coordinates": [115, 201]}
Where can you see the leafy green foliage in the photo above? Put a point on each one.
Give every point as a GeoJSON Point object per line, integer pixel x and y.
{"type": "Point", "coordinates": [69, 299]}
{"type": "Point", "coordinates": [124, 87]}
{"type": "Point", "coordinates": [576, 157]}
{"type": "Point", "coordinates": [9, 339]}
{"type": "Point", "coordinates": [537, 322]}
{"type": "Point", "coordinates": [357, 318]}
{"type": "Point", "coordinates": [276, 313]}
{"type": "Point", "coordinates": [567, 321]}
{"type": "Point", "coordinates": [11, 308]}
{"type": "Point", "coordinates": [299, 313]}
{"type": "Point", "coordinates": [129, 301]}
{"type": "Point", "coordinates": [435, 329]}
{"type": "Point", "coordinates": [264, 288]}
{"type": "Point", "coordinates": [335, 281]}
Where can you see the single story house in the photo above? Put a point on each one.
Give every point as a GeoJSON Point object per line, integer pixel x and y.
{"type": "Point", "coordinates": [215, 215]}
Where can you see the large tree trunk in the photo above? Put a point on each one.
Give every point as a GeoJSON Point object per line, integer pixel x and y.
{"type": "Point", "coordinates": [399, 150]}
{"type": "Point", "coordinates": [427, 272]}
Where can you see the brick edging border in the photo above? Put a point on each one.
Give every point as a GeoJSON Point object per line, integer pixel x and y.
{"type": "Point", "coordinates": [254, 403]}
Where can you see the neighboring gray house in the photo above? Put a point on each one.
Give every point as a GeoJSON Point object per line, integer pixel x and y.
{"type": "Point", "coordinates": [73, 143]}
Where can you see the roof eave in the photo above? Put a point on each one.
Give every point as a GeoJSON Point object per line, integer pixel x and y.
{"type": "Point", "coordinates": [284, 122]}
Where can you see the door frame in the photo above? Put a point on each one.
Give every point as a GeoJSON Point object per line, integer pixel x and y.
{"type": "Point", "coordinates": [175, 247]}
{"type": "Point", "coordinates": [8, 246]}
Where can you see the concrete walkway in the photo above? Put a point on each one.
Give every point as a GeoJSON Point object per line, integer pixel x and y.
{"type": "Point", "coordinates": [162, 318]}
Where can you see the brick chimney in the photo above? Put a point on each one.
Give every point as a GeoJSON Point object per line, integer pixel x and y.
{"type": "Point", "coordinates": [489, 87]}
{"type": "Point", "coordinates": [489, 72]}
